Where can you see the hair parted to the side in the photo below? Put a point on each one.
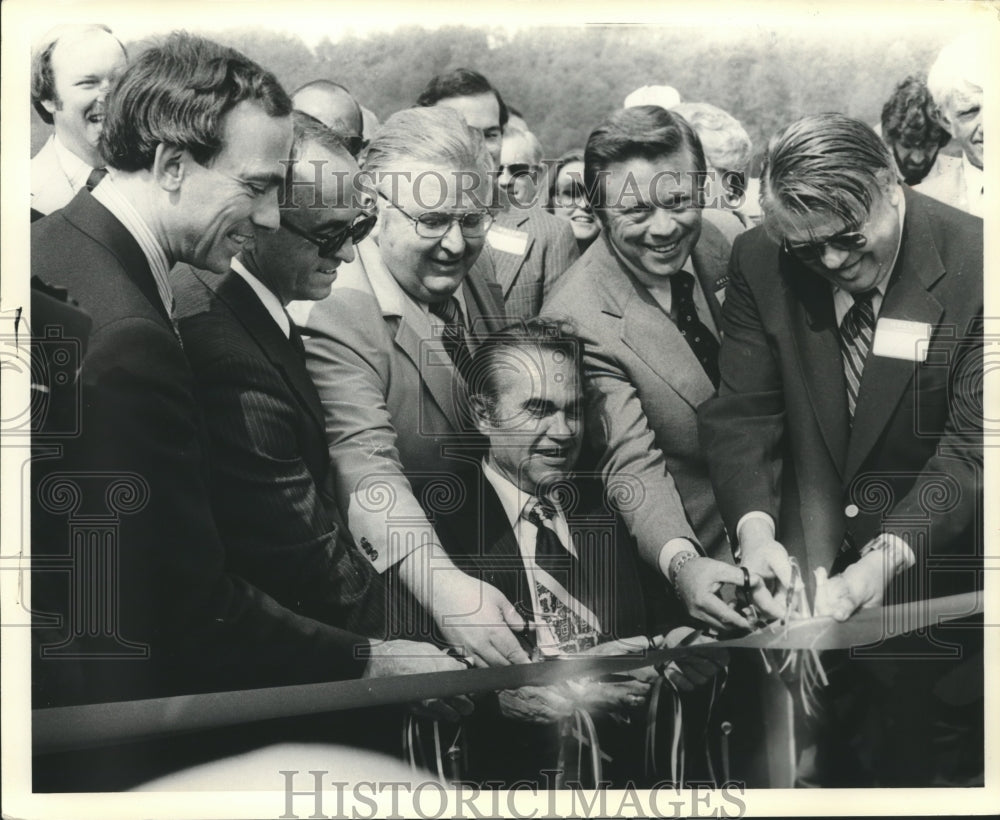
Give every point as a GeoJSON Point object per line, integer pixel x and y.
{"type": "Point", "coordinates": [308, 130]}
{"type": "Point", "coordinates": [460, 82]}
{"type": "Point", "coordinates": [43, 81]}
{"type": "Point", "coordinates": [177, 93]}
{"type": "Point", "coordinates": [829, 164]}
{"type": "Point", "coordinates": [643, 132]}
{"type": "Point", "coordinates": [426, 135]}
{"type": "Point", "coordinates": [911, 115]}
{"type": "Point", "coordinates": [499, 351]}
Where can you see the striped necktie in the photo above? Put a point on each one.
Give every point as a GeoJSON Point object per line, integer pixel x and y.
{"type": "Point", "coordinates": [856, 333]}
{"type": "Point", "coordinates": [453, 336]}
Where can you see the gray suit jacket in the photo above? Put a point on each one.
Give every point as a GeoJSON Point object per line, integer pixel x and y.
{"type": "Point", "coordinates": [393, 403]}
{"type": "Point", "coordinates": [643, 387]}
{"type": "Point", "coordinates": [529, 249]}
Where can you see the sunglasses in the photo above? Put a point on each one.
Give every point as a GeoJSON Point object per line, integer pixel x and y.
{"type": "Point", "coordinates": [435, 224]}
{"type": "Point", "coordinates": [812, 251]}
{"type": "Point", "coordinates": [330, 243]}
{"type": "Point", "coordinates": [518, 169]}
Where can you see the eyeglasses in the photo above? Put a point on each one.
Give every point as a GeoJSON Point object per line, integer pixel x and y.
{"type": "Point", "coordinates": [518, 169]}
{"type": "Point", "coordinates": [435, 224]}
{"type": "Point", "coordinates": [355, 144]}
{"type": "Point", "coordinates": [811, 251]}
{"type": "Point", "coordinates": [329, 244]}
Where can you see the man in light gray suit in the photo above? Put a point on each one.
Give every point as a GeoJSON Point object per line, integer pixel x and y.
{"type": "Point", "coordinates": [645, 299]}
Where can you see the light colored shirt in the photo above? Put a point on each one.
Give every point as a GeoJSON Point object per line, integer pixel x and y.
{"type": "Point", "coordinates": [517, 504]}
{"type": "Point", "coordinates": [974, 186]}
{"type": "Point", "coordinates": [267, 298]}
{"type": "Point", "coordinates": [112, 198]}
{"type": "Point", "coordinates": [77, 171]}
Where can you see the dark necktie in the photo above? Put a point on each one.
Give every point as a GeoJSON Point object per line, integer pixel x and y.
{"type": "Point", "coordinates": [295, 337]}
{"type": "Point", "coordinates": [453, 336]}
{"type": "Point", "coordinates": [856, 333]}
{"type": "Point", "coordinates": [95, 176]}
{"type": "Point", "coordinates": [572, 631]}
{"type": "Point", "coordinates": [699, 338]}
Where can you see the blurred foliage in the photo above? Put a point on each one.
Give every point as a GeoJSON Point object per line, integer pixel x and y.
{"type": "Point", "coordinates": [566, 80]}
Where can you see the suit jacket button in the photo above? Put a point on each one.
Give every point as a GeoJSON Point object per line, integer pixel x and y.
{"type": "Point", "coordinates": [851, 510]}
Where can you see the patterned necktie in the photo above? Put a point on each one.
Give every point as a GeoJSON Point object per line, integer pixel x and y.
{"type": "Point", "coordinates": [699, 338]}
{"type": "Point", "coordinates": [453, 336]}
{"type": "Point", "coordinates": [856, 333]}
{"type": "Point", "coordinates": [572, 631]}
{"type": "Point", "coordinates": [95, 176]}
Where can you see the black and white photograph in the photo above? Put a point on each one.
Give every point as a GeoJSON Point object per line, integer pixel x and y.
{"type": "Point", "coordinates": [498, 410]}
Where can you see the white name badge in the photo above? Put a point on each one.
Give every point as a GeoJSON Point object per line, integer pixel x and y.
{"type": "Point", "coordinates": [900, 339]}
{"type": "Point", "coordinates": [507, 240]}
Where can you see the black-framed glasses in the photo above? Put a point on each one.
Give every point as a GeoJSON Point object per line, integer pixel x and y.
{"type": "Point", "coordinates": [330, 243]}
{"type": "Point", "coordinates": [519, 169]}
{"type": "Point", "coordinates": [851, 240]}
{"type": "Point", "coordinates": [435, 224]}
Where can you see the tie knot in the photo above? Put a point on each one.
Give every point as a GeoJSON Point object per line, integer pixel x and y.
{"type": "Point", "coordinates": [542, 510]}
{"type": "Point", "coordinates": [95, 176]}
{"type": "Point", "coordinates": [448, 311]}
{"type": "Point", "coordinates": [865, 297]}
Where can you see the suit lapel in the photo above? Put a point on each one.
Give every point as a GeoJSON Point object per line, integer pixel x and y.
{"type": "Point", "coordinates": [436, 373]}
{"type": "Point", "coordinates": [908, 298]}
{"type": "Point", "coordinates": [501, 557]}
{"type": "Point", "coordinates": [252, 314]}
{"type": "Point", "coordinates": [710, 259]}
{"type": "Point", "coordinates": [484, 299]}
{"type": "Point", "coordinates": [814, 326]}
{"type": "Point", "coordinates": [508, 265]}
{"type": "Point", "coordinates": [648, 332]}
{"type": "Point", "coordinates": [91, 217]}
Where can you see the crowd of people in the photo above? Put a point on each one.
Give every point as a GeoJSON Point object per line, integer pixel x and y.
{"type": "Point", "coordinates": [360, 399]}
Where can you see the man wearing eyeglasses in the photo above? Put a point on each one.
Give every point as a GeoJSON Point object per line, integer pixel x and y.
{"type": "Point", "coordinates": [390, 350]}
{"type": "Point", "coordinates": [270, 463]}
{"type": "Point", "coordinates": [528, 248]}
{"type": "Point", "coordinates": [847, 434]}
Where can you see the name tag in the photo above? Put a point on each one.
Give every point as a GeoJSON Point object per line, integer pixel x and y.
{"type": "Point", "coordinates": [507, 240]}
{"type": "Point", "coordinates": [900, 339]}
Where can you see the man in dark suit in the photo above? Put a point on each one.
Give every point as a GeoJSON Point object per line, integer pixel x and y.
{"type": "Point", "coordinates": [173, 618]}
{"type": "Point", "coordinates": [529, 248]}
{"type": "Point", "coordinates": [270, 490]}
{"type": "Point", "coordinates": [644, 299]}
{"type": "Point", "coordinates": [389, 351]}
{"type": "Point", "coordinates": [847, 434]}
{"type": "Point", "coordinates": [548, 540]}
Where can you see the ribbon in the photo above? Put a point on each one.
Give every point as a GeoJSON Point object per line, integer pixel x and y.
{"type": "Point", "coordinates": [73, 727]}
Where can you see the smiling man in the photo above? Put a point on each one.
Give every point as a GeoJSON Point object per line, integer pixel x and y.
{"type": "Point", "coordinates": [850, 396]}
{"type": "Point", "coordinates": [270, 464]}
{"type": "Point", "coordinates": [644, 299]}
{"type": "Point", "coordinates": [197, 139]}
{"type": "Point", "coordinates": [72, 68]}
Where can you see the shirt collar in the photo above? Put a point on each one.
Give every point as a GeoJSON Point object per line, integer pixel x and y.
{"type": "Point", "coordinates": [112, 198]}
{"type": "Point", "coordinates": [516, 502]}
{"type": "Point", "coordinates": [267, 298]}
{"type": "Point", "coordinates": [974, 178]}
{"type": "Point", "coordinates": [77, 171]}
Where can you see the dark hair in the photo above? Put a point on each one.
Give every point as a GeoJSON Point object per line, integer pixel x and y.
{"type": "Point", "coordinates": [826, 163]}
{"type": "Point", "coordinates": [573, 155]}
{"type": "Point", "coordinates": [306, 130]}
{"type": "Point", "coordinates": [178, 93]}
{"type": "Point", "coordinates": [460, 82]}
{"type": "Point", "coordinates": [494, 354]}
{"type": "Point", "coordinates": [910, 114]}
{"type": "Point", "coordinates": [645, 132]}
{"type": "Point", "coordinates": [43, 81]}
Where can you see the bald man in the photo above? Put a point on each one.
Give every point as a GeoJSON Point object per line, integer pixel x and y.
{"type": "Point", "coordinates": [333, 105]}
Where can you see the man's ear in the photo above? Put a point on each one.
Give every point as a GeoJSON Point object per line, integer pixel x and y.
{"type": "Point", "coordinates": [50, 105]}
{"type": "Point", "coordinates": [481, 413]}
{"type": "Point", "coordinates": [170, 164]}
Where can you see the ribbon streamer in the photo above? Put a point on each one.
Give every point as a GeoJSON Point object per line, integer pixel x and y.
{"type": "Point", "coordinates": [74, 727]}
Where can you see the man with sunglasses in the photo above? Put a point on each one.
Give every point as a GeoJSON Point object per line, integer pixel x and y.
{"type": "Point", "coordinates": [268, 450]}
{"type": "Point", "coordinates": [847, 434]}
{"type": "Point", "coordinates": [390, 351]}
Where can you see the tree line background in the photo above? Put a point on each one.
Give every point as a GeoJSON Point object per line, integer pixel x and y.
{"type": "Point", "coordinates": [566, 80]}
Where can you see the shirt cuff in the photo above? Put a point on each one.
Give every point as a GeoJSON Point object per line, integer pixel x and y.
{"type": "Point", "coordinates": [753, 514]}
{"type": "Point", "coordinates": [674, 547]}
